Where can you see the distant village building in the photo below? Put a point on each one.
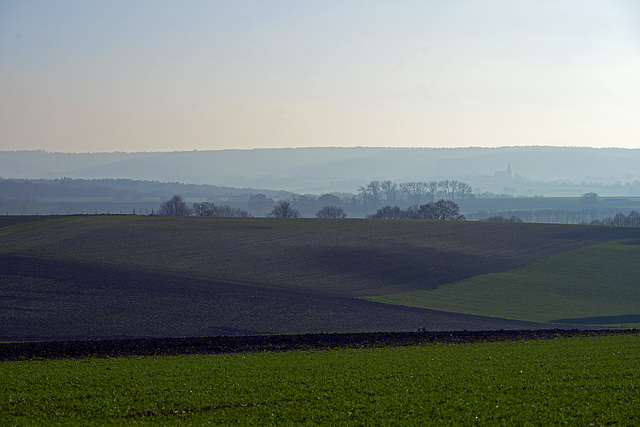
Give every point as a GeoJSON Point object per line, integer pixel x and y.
{"type": "Point", "coordinates": [504, 177]}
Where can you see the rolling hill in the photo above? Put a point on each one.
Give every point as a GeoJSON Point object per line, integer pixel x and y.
{"type": "Point", "coordinates": [131, 276]}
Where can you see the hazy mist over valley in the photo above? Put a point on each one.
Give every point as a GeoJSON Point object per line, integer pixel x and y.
{"type": "Point", "coordinates": [322, 170]}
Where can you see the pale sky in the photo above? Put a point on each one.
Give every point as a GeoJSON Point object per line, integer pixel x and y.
{"type": "Point", "coordinates": [159, 75]}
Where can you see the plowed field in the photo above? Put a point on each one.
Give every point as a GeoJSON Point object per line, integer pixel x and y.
{"type": "Point", "coordinates": [127, 276]}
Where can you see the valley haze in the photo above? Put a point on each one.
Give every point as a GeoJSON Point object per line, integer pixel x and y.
{"type": "Point", "coordinates": [339, 169]}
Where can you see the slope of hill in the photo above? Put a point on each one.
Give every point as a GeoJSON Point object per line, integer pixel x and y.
{"type": "Point", "coordinates": [108, 276]}
{"type": "Point", "coordinates": [593, 285]}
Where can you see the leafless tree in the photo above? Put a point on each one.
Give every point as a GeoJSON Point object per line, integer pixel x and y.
{"type": "Point", "coordinates": [331, 212]}
{"type": "Point", "coordinates": [204, 209]}
{"type": "Point", "coordinates": [464, 191]}
{"type": "Point", "coordinates": [442, 210]}
{"type": "Point", "coordinates": [175, 206]}
{"type": "Point", "coordinates": [283, 209]}
{"type": "Point", "coordinates": [390, 191]}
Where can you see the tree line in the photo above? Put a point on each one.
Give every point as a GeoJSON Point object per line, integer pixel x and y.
{"type": "Point", "coordinates": [440, 210]}
{"type": "Point", "coordinates": [620, 220]}
{"type": "Point", "coordinates": [176, 206]}
{"type": "Point", "coordinates": [413, 193]}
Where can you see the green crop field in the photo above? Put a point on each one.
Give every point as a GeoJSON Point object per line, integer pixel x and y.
{"type": "Point", "coordinates": [578, 381]}
{"type": "Point", "coordinates": [592, 285]}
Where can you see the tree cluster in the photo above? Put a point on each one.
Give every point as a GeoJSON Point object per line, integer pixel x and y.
{"type": "Point", "coordinates": [440, 210]}
{"type": "Point", "coordinates": [413, 193]}
{"type": "Point", "coordinates": [211, 209]}
{"type": "Point", "coordinates": [500, 218]}
{"type": "Point", "coordinates": [620, 220]}
{"type": "Point", "coordinates": [176, 206]}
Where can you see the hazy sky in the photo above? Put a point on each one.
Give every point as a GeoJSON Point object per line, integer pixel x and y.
{"type": "Point", "coordinates": [155, 75]}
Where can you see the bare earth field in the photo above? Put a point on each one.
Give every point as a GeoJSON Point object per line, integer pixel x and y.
{"type": "Point", "coordinates": [68, 278]}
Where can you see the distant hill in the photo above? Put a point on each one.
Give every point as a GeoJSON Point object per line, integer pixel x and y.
{"type": "Point", "coordinates": [318, 170]}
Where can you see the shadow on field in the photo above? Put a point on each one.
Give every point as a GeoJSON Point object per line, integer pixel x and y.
{"type": "Point", "coordinates": [49, 300]}
{"type": "Point", "coordinates": [601, 320]}
{"type": "Point", "coordinates": [634, 242]}
{"type": "Point", "coordinates": [392, 269]}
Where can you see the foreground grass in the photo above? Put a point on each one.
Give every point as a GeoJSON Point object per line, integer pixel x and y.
{"type": "Point", "coordinates": [596, 285]}
{"type": "Point", "coordinates": [577, 380]}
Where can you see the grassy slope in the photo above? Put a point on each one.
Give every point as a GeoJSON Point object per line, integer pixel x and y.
{"type": "Point", "coordinates": [597, 284]}
{"type": "Point", "coordinates": [577, 381]}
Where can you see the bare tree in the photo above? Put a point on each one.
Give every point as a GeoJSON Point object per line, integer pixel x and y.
{"type": "Point", "coordinates": [443, 187]}
{"type": "Point", "coordinates": [331, 212]}
{"type": "Point", "coordinates": [374, 192]}
{"type": "Point", "coordinates": [390, 191]}
{"type": "Point", "coordinates": [500, 218]}
{"type": "Point", "coordinates": [433, 189]}
{"type": "Point", "coordinates": [388, 212]}
{"type": "Point", "coordinates": [633, 219]}
{"type": "Point", "coordinates": [442, 210]}
{"type": "Point", "coordinates": [464, 191]}
{"type": "Point", "coordinates": [210, 209]}
{"type": "Point", "coordinates": [204, 209]}
{"type": "Point", "coordinates": [175, 206]}
{"type": "Point", "coordinates": [283, 209]}
{"type": "Point", "coordinates": [231, 212]}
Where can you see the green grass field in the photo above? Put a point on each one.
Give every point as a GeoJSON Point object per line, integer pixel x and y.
{"type": "Point", "coordinates": [593, 285]}
{"type": "Point", "coordinates": [578, 381]}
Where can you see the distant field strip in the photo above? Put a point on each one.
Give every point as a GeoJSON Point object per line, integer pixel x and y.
{"type": "Point", "coordinates": [597, 284]}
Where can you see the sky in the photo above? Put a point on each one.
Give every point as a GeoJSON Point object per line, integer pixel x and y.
{"type": "Point", "coordinates": [160, 75]}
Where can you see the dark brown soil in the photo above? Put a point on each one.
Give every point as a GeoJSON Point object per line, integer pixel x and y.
{"type": "Point", "coordinates": [44, 300]}
{"type": "Point", "coordinates": [238, 344]}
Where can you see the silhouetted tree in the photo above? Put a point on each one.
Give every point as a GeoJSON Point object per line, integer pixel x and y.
{"type": "Point", "coordinates": [589, 200]}
{"type": "Point", "coordinates": [229, 211]}
{"type": "Point", "coordinates": [390, 191]}
{"type": "Point", "coordinates": [204, 209]}
{"type": "Point", "coordinates": [175, 206]}
{"type": "Point", "coordinates": [464, 191]}
{"type": "Point", "coordinates": [283, 209]}
{"type": "Point", "coordinates": [633, 219]}
{"type": "Point", "coordinates": [620, 220]}
{"type": "Point", "coordinates": [500, 218]}
{"type": "Point", "coordinates": [259, 204]}
{"type": "Point", "coordinates": [210, 209]}
{"type": "Point", "coordinates": [441, 210]}
{"type": "Point", "coordinates": [331, 212]}
{"type": "Point", "coordinates": [388, 212]}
